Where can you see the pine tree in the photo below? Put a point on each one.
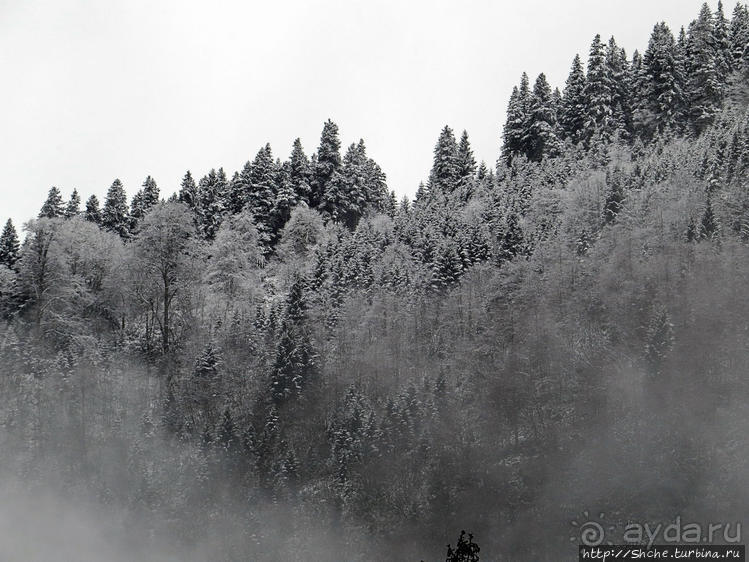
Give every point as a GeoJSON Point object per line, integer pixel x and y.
{"type": "Point", "coordinates": [53, 206]}
{"type": "Point", "coordinates": [621, 102]}
{"type": "Point", "coordinates": [114, 216]}
{"type": "Point", "coordinates": [188, 191]}
{"type": "Point", "coordinates": [286, 200]}
{"type": "Point", "coordinates": [597, 94]}
{"type": "Point", "coordinates": [447, 267]}
{"type": "Point", "coordinates": [9, 245]}
{"type": "Point", "coordinates": [511, 242]}
{"type": "Point", "coordinates": [704, 89]}
{"type": "Point", "coordinates": [724, 55]}
{"type": "Point", "coordinates": [263, 190]}
{"type": "Point", "coordinates": [93, 213]}
{"type": "Point", "coordinates": [347, 195]}
{"type": "Point", "coordinates": [211, 203]}
{"type": "Point", "coordinates": [444, 175]}
{"type": "Point", "coordinates": [664, 103]}
{"type": "Point", "coordinates": [327, 162]}
{"type": "Point", "coordinates": [300, 172]}
{"type": "Point", "coordinates": [150, 194]}
{"type": "Point", "coordinates": [465, 550]}
{"type": "Point", "coordinates": [74, 205]}
{"type": "Point", "coordinates": [572, 114]}
{"type": "Point", "coordinates": [541, 132]}
{"type": "Point", "coordinates": [466, 161]}
{"type": "Point", "coordinates": [294, 367]}
{"type": "Point", "coordinates": [517, 118]}
{"type": "Point", "coordinates": [739, 34]}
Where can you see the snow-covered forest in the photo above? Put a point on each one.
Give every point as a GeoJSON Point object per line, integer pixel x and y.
{"type": "Point", "coordinates": [287, 363]}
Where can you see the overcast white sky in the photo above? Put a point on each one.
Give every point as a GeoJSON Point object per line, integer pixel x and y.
{"type": "Point", "coordinates": [94, 90]}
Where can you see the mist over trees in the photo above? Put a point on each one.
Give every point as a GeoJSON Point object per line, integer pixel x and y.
{"type": "Point", "coordinates": [287, 363]}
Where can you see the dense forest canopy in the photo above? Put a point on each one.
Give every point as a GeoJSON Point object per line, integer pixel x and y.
{"type": "Point", "coordinates": [287, 363]}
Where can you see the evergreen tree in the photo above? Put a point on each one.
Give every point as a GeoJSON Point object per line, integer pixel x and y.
{"type": "Point", "coordinates": [511, 242]}
{"type": "Point", "coordinates": [286, 200]}
{"type": "Point", "coordinates": [346, 197]}
{"type": "Point", "coordinates": [722, 34]}
{"type": "Point", "coordinates": [211, 203]}
{"type": "Point", "coordinates": [541, 132]}
{"type": "Point", "coordinates": [517, 118]}
{"type": "Point", "coordinates": [465, 550]}
{"type": "Point", "coordinates": [300, 173]}
{"type": "Point", "coordinates": [704, 89]}
{"type": "Point", "coordinates": [74, 205]}
{"type": "Point", "coordinates": [294, 367]}
{"type": "Point", "coordinates": [447, 267]}
{"type": "Point", "coordinates": [664, 103]}
{"type": "Point", "coordinates": [93, 213]}
{"type": "Point", "coordinates": [615, 195]}
{"type": "Point", "coordinates": [150, 194]}
{"type": "Point", "coordinates": [739, 34]}
{"type": "Point", "coordinates": [572, 114]}
{"type": "Point", "coordinates": [263, 190]}
{"type": "Point", "coordinates": [621, 103]}
{"type": "Point", "coordinates": [188, 191]}
{"type": "Point", "coordinates": [598, 120]}
{"type": "Point", "coordinates": [9, 245]}
{"type": "Point", "coordinates": [466, 161]}
{"type": "Point", "coordinates": [327, 162]}
{"type": "Point", "coordinates": [114, 215]}
{"type": "Point", "coordinates": [53, 206]}
{"type": "Point", "coordinates": [444, 175]}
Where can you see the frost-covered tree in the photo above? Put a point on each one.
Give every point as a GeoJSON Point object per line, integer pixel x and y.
{"type": "Point", "coordinates": [704, 87]}
{"type": "Point", "coordinates": [93, 212]}
{"type": "Point", "coordinates": [445, 169]}
{"type": "Point", "coordinates": [188, 191]}
{"type": "Point", "coordinates": [327, 162]}
{"type": "Point", "coordinates": [114, 215]}
{"type": "Point", "coordinates": [517, 119]}
{"type": "Point", "coordinates": [53, 207]}
{"type": "Point", "coordinates": [573, 107]}
{"type": "Point", "coordinates": [598, 95]}
{"type": "Point", "coordinates": [74, 205]}
{"type": "Point", "coordinates": [541, 136]}
{"type": "Point", "coordinates": [9, 245]}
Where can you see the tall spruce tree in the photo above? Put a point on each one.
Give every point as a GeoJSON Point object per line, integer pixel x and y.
{"type": "Point", "coordinates": [114, 215]}
{"type": "Point", "coordinates": [444, 175]}
{"type": "Point", "coordinates": [517, 120]}
{"type": "Point", "coordinates": [327, 162]}
{"type": "Point", "coordinates": [541, 137]}
{"type": "Point", "coordinates": [300, 172]}
{"type": "Point", "coordinates": [93, 212]}
{"type": "Point", "coordinates": [188, 191]}
{"type": "Point", "coordinates": [722, 34]}
{"type": "Point", "coordinates": [597, 94]}
{"type": "Point", "coordinates": [9, 245]}
{"type": "Point", "coordinates": [466, 161]}
{"type": "Point", "coordinates": [74, 205]}
{"type": "Point", "coordinates": [53, 206]}
{"type": "Point", "coordinates": [621, 103]}
{"type": "Point", "coordinates": [294, 367]}
{"type": "Point", "coordinates": [263, 189]}
{"type": "Point", "coordinates": [704, 88]}
{"type": "Point", "coordinates": [739, 34]}
{"type": "Point", "coordinates": [664, 104]}
{"type": "Point", "coordinates": [573, 108]}
{"type": "Point", "coordinates": [211, 202]}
